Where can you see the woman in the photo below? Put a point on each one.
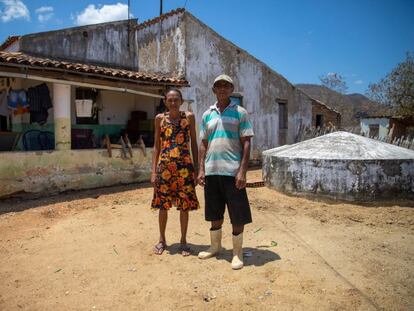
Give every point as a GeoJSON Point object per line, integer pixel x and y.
{"type": "Point", "coordinates": [173, 172]}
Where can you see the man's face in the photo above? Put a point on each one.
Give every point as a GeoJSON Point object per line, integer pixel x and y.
{"type": "Point", "coordinates": [223, 90]}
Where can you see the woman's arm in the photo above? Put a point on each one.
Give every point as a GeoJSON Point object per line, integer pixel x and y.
{"type": "Point", "coordinates": [156, 149]}
{"type": "Point", "coordinates": [193, 136]}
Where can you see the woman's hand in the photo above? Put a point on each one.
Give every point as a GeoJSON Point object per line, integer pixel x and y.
{"type": "Point", "coordinates": [153, 179]}
{"type": "Point", "coordinates": [195, 176]}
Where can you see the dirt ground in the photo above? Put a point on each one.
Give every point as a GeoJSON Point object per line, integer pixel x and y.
{"type": "Point", "coordinates": [92, 250]}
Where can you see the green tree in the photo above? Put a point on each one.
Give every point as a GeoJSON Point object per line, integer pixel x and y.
{"type": "Point", "coordinates": [334, 81]}
{"type": "Point", "coordinates": [397, 88]}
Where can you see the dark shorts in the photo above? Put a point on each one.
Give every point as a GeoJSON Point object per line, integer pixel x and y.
{"type": "Point", "coordinates": [220, 191]}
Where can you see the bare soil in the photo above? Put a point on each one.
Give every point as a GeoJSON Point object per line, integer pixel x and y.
{"type": "Point", "coordinates": [92, 250]}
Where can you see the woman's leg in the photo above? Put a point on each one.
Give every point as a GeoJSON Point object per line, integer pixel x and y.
{"type": "Point", "coordinates": [185, 251]}
{"type": "Point", "coordinates": [162, 222]}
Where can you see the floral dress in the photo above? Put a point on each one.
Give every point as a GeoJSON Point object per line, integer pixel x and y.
{"type": "Point", "coordinates": [174, 184]}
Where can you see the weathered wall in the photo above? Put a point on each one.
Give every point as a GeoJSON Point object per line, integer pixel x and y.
{"type": "Point", "coordinates": [161, 46]}
{"type": "Point", "coordinates": [208, 55]}
{"type": "Point", "coordinates": [383, 123]}
{"type": "Point", "coordinates": [116, 107]}
{"type": "Point", "coordinates": [329, 116]}
{"type": "Point", "coordinates": [341, 165]}
{"type": "Point", "coordinates": [338, 179]}
{"type": "Point", "coordinates": [44, 173]}
{"type": "Point", "coordinates": [105, 44]}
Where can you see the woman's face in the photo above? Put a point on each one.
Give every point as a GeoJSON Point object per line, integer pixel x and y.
{"type": "Point", "coordinates": [173, 100]}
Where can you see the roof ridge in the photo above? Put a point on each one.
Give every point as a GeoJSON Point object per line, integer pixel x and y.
{"type": "Point", "coordinates": [159, 18]}
{"type": "Point", "coordinates": [9, 41]}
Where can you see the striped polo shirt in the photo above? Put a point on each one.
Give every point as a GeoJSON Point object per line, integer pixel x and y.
{"type": "Point", "coordinates": [223, 132]}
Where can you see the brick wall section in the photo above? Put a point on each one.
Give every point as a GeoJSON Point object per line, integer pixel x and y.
{"type": "Point", "coordinates": [329, 116]}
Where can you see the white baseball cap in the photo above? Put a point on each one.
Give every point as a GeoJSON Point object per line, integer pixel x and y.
{"type": "Point", "coordinates": [223, 77]}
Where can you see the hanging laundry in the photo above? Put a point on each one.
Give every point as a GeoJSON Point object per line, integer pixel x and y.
{"type": "Point", "coordinates": [4, 110]}
{"type": "Point", "coordinates": [16, 98]}
{"type": "Point", "coordinates": [18, 101]}
{"type": "Point", "coordinates": [39, 103]}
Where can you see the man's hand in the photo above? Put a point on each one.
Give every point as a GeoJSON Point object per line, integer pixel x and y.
{"type": "Point", "coordinates": [240, 180]}
{"type": "Point", "coordinates": [201, 179]}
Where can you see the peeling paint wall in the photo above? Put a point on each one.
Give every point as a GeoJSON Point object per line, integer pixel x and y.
{"type": "Point", "coordinates": [45, 173]}
{"type": "Point", "coordinates": [105, 44]}
{"type": "Point", "coordinates": [208, 55]}
{"type": "Point", "coordinates": [161, 47]}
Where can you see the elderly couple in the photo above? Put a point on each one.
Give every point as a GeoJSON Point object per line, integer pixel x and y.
{"type": "Point", "coordinates": [223, 158]}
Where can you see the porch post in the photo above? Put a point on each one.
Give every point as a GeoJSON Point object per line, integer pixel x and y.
{"type": "Point", "coordinates": [61, 113]}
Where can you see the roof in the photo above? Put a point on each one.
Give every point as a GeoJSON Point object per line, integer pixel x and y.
{"type": "Point", "coordinates": [17, 59]}
{"type": "Point", "coordinates": [341, 146]}
{"type": "Point", "coordinates": [9, 41]}
{"type": "Point", "coordinates": [159, 18]}
{"type": "Point", "coordinates": [379, 116]}
{"type": "Point", "coordinates": [394, 117]}
{"type": "Point", "coordinates": [323, 104]}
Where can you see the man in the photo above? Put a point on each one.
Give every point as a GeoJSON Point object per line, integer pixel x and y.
{"type": "Point", "coordinates": [223, 159]}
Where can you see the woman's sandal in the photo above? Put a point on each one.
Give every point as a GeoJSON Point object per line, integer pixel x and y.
{"type": "Point", "coordinates": [160, 248]}
{"type": "Point", "coordinates": [185, 250]}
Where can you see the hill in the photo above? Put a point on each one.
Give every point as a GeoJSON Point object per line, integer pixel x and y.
{"type": "Point", "coordinates": [351, 106]}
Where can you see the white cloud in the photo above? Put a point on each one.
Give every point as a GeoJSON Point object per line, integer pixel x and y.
{"type": "Point", "coordinates": [358, 82]}
{"type": "Point", "coordinates": [102, 14]}
{"type": "Point", "coordinates": [45, 13]}
{"type": "Point", "coordinates": [44, 9]}
{"type": "Point", "coordinates": [13, 9]}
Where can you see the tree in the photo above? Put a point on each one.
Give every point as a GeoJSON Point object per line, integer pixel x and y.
{"type": "Point", "coordinates": [397, 88]}
{"type": "Point", "coordinates": [334, 81]}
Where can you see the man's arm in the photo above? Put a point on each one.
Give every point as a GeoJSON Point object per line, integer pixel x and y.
{"type": "Point", "coordinates": [201, 164]}
{"type": "Point", "coordinates": [241, 174]}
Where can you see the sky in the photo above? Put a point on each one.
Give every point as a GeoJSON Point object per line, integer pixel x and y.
{"type": "Point", "coordinates": [362, 40]}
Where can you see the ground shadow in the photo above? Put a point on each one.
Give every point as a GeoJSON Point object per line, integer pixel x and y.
{"type": "Point", "coordinates": [251, 256]}
{"type": "Point", "coordinates": [27, 201]}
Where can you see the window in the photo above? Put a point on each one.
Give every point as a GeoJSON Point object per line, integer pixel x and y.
{"type": "Point", "coordinates": [283, 116]}
{"type": "Point", "coordinates": [319, 120]}
{"type": "Point", "coordinates": [374, 130]}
